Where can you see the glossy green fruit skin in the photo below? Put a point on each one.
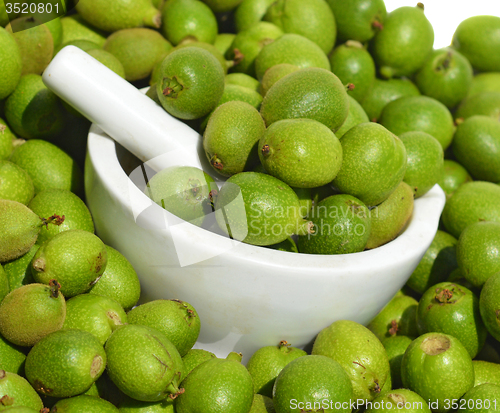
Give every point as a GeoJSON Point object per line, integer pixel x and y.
{"type": "Point", "coordinates": [19, 270]}
{"type": "Point", "coordinates": [188, 19]}
{"type": "Point", "coordinates": [478, 251]}
{"type": "Point", "coordinates": [108, 60]}
{"type": "Point", "coordinates": [33, 111]}
{"type": "Point", "coordinates": [11, 63]}
{"type": "Point", "coordinates": [486, 372]}
{"type": "Point", "coordinates": [232, 93]}
{"type": "Point", "coordinates": [231, 137]}
{"type": "Point", "coordinates": [222, 6]}
{"type": "Point", "coordinates": [352, 63]}
{"type": "Point", "coordinates": [246, 218]}
{"type": "Point", "coordinates": [119, 15]}
{"type": "Point", "coordinates": [355, 116]}
{"type": "Point", "coordinates": [363, 358]}
{"type": "Point", "coordinates": [216, 386]}
{"type": "Point", "coordinates": [454, 175]}
{"type": "Point", "coordinates": [191, 83]}
{"type": "Point", "coordinates": [437, 263]}
{"type": "Point", "coordinates": [207, 46]}
{"type": "Point", "coordinates": [390, 217]}
{"type": "Point", "coordinates": [130, 405]}
{"type": "Point", "coordinates": [398, 317]}
{"type": "Point", "coordinates": [35, 42]}
{"type": "Point", "coordinates": [476, 146]}
{"type": "Point", "coordinates": [489, 305]}
{"type": "Point", "coordinates": [247, 45]}
{"type": "Point", "coordinates": [441, 377]}
{"type": "Point", "coordinates": [342, 225]}
{"type": "Point", "coordinates": [484, 103]}
{"type": "Point", "coordinates": [485, 82]}
{"type": "Point", "coordinates": [419, 113]}
{"type": "Point", "coordinates": [223, 42]}
{"type": "Point", "coordinates": [303, 153]}
{"type": "Point", "coordinates": [15, 183]}
{"type": "Point", "coordinates": [384, 158]}
{"type": "Point", "coordinates": [400, 400]}
{"type": "Point", "coordinates": [309, 380]}
{"type": "Point", "coordinates": [358, 19]}
{"type": "Point", "coordinates": [48, 166]}
{"type": "Point", "coordinates": [404, 44]}
{"type": "Point", "coordinates": [177, 319]}
{"type": "Point", "coordinates": [75, 258]}
{"type": "Point", "coordinates": [424, 166]}
{"type": "Point", "coordinates": [262, 404]}
{"type": "Point", "coordinates": [477, 38]}
{"type": "Point", "coordinates": [266, 364]}
{"type": "Point", "coordinates": [481, 399]}
{"type": "Point", "coordinates": [313, 20]}
{"type": "Point", "coordinates": [43, 312]}
{"type": "Point", "coordinates": [311, 93]}
{"type": "Point", "coordinates": [138, 50]}
{"type": "Point", "coordinates": [396, 347]}
{"type": "Point", "coordinates": [4, 18]}
{"type": "Point", "coordinates": [273, 74]}
{"type": "Point", "coordinates": [143, 363]}
{"type": "Point", "coordinates": [250, 12]}
{"type": "Point", "coordinates": [63, 203]}
{"type": "Point", "coordinates": [119, 280]}
{"type": "Point", "coordinates": [12, 357]}
{"type": "Point", "coordinates": [442, 305]}
{"type": "Point", "coordinates": [382, 92]}
{"type": "Point", "coordinates": [184, 191]}
{"type": "Point", "coordinates": [19, 227]}
{"type": "Point", "coordinates": [471, 202]}
{"type": "Point", "coordinates": [241, 79]}
{"type": "Point", "coordinates": [7, 139]}
{"type": "Point", "coordinates": [293, 49]}
{"type": "Point", "coordinates": [16, 392]}
{"type": "Point", "coordinates": [97, 315]}
{"type": "Point", "coordinates": [446, 76]}
{"type": "Point", "coordinates": [84, 403]}
{"type": "Point", "coordinates": [65, 363]}
{"type": "Point", "coordinates": [74, 27]}
{"type": "Point", "coordinates": [193, 358]}
{"type": "Point", "coordinates": [4, 284]}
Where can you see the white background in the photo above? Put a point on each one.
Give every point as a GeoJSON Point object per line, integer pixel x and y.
{"type": "Point", "coordinates": [446, 15]}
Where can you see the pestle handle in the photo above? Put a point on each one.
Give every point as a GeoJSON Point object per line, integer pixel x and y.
{"type": "Point", "coordinates": [127, 115]}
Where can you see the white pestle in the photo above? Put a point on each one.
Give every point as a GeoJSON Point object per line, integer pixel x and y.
{"type": "Point", "coordinates": [131, 118]}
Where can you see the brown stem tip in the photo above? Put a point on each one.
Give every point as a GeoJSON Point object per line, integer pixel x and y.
{"type": "Point", "coordinates": [54, 219]}
{"type": "Point", "coordinates": [444, 295]}
{"type": "Point", "coordinates": [394, 328]}
{"type": "Point", "coordinates": [54, 288]}
{"type": "Point", "coordinates": [265, 150]}
{"type": "Point", "coordinates": [377, 25]}
{"type": "Point", "coordinates": [216, 162]}
{"type": "Point", "coordinates": [238, 57]}
{"type": "Point", "coordinates": [175, 395]}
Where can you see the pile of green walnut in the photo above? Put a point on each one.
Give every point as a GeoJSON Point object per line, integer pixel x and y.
{"type": "Point", "coordinates": [323, 115]}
